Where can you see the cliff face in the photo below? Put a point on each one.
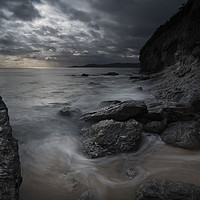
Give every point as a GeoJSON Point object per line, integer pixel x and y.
{"type": "Point", "coordinates": [10, 172]}
{"type": "Point", "coordinates": [174, 41]}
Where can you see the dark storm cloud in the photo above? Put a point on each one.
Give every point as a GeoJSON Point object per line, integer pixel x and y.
{"type": "Point", "coordinates": [19, 9]}
{"type": "Point", "coordinates": [79, 32]}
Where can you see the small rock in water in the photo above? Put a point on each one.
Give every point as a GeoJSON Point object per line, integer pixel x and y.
{"type": "Point", "coordinates": [90, 195]}
{"type": "Point", "coordinates": [167, 190]}
{"type": "Point", "coordinates": [110, 137]}
{"type": "Point", "coordinates": [139, 88]}
{"type": "Point", "coordinates": [129, 173]}
{"type": "Point", "coordinates": [183, 134]}
{"type": "Point", "coordinates": [111, 74]}
{"type": "Point", "coordinates": [85, 75]}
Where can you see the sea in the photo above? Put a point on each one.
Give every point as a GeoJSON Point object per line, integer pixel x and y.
{"type": "Point", "coordinates": [54, 166]}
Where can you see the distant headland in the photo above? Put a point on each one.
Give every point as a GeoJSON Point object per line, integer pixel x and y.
{"type": "Point", "coordinates": [111, 65]}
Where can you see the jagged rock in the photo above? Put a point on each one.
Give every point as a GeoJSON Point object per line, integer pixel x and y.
{"type": "Point", "coordinates": [110, 137]}
{"type": "Point", "coordinates": [70, 112]}
{"type": "Point", "coordinates": [10, 172]}
{"type": "Point", "coordinates": [90, 195]}
{"type": "Point", "coordinates": [168, 190]}
{"type": "Point", "coordinates": [183, 134]}
{"type": "Point", "coordinates": [119, 111]}
{"type": "Point", "coordinates": [156, 126]}
{"type": "Point", "coordinates": [178, 112]}
{"type": "Point", "coordinates": [172, 111]}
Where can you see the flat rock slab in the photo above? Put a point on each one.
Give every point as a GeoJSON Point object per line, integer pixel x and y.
{"type": "Point", "coordinates": [168, 190]}
{"type": "Point", "coordinates": [183, 134]}
{"type": "Point", "coordinates": [121, 111]}
{"type": "Point", "coordinates": [111, 137]}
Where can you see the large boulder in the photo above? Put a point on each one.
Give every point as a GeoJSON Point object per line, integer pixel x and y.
{"type": "Point", "coordinates": [183, 134]}
{"type": "Point", "coordinates": [121, 111]}
{"type": "Point", "coordinates": [168, 190]}
{"type": "Point", "coordinates": [111, 137]}
{"type": "Point", "coordinates": [10, 172]}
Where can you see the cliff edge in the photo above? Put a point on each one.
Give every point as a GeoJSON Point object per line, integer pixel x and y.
{"type": "Point", "coordinates": [172, 55]}
{"type": "Point", "coordinates": [174, 41]}
{"type": "Point", "coordinates": [10, 172]}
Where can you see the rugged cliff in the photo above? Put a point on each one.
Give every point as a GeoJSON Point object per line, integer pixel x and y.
{"type": "Point", "coordinates": [174, 41]}
{"type": "Point", "coordinates": [172, 56]}
{"type": "Point", "coordinates": [10, 172]}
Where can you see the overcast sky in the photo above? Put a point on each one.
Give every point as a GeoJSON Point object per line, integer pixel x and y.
{"type": "Point", "coordinates": [75, 32]}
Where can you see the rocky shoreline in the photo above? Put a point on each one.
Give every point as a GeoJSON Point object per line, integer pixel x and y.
{"type": "Point", "coordinates": [169, 60]}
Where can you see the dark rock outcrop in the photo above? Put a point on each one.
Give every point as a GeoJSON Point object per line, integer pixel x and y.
{"type": "Point", "coordinates": [174, 41]}
{"type": "Point", "coordinates": [183, 134]}
{"type": "Point", "coordinates": [110, 137]}
{"type": "Point", "coordinates": [168, 190]}
{"type": "Point", "coordinates": [118, 111]}
{"type": "Point", "coordinates": [10, 172]}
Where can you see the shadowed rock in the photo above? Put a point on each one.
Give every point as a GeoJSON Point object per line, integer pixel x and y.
{"type": "Point", "coordinates": [168, 190]}
{"type": "Point", "coordinates": [10, 172]}
{"type": "Point", "coordinates": [156, 126]}
{"type": "Point", "coordinates": [118, 111]}
{"type": "Point", "coordinates": [110, 137]}
{"type": "Point", "coordinates": [183, 134]}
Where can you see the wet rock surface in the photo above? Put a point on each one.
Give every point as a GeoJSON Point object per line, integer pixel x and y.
{"type": "Point", "coordinates": [168, 190]}
{"type": "Point", "coordinates": [183, 134]}
{"type": "Point", "coordinates": [111, 137]}
{"type": "Point", "coordinates": [10, 172]}
{"type": "Point", "coordinates": [118, 111]}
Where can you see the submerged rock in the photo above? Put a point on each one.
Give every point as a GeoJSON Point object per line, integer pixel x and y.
{"type": "Point", "coordinates": [70, 112]}
{"type": "Point", "coordinates": [168, 190]}
{"type": "Point", "coordinates": [183, 134]}
{"type": "Point", "coordinates": [10, 172]}
{"type": "Point", "coordinates": [118, 111]}
{"type": "Point", "coordinates": [110, 137]}
{"type": "Point", "coordinates": [90, 195]}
